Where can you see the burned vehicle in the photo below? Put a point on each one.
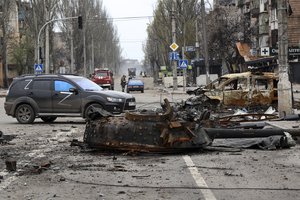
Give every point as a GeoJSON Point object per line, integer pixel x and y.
{"type": "Point", "coordinates": [246, 89]}
{"type": "Point", "coordinates": [173, 129]}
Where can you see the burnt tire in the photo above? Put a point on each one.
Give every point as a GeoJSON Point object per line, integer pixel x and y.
{"type": "Point", "coordinates": [91, 109]}
{"type": "Point", "coordinates": [48, 119]}
{"type": "Point", "coordinates": [25, 114]}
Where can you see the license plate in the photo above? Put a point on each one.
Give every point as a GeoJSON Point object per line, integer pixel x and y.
{"type": "Point", "coordinates": [131, 103]}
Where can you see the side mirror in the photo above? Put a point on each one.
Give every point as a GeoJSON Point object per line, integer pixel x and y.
{"type": "Point", "coordinates": [73, 90]}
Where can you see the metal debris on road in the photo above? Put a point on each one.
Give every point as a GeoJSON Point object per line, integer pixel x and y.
{"type": "Point", "coordinates": [176, 129]}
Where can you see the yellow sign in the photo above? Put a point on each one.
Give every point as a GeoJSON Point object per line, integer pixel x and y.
{"type": "Point", "coordinates": [174, 46]}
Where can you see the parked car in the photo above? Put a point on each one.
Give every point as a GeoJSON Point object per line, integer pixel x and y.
{"type": "Point", "coordinates": [104, 78]}
{"type": "Point", "coordinates": [52, 96]}
{"type": "Point", "coordinates": [241, 89]}
{"type": "Point", "coordinates": [135, 85]}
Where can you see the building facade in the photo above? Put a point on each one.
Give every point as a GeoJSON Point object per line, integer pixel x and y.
{"type": "Point", "coordinates": [263, 19]}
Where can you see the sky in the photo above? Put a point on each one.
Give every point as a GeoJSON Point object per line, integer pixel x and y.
{"type": "Point", "coordinates": [132, 32]}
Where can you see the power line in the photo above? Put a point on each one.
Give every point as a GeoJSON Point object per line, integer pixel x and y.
{"type": "Point", "coordinates": [132, 41]}
{"type": "Point", "coordinates": [119, 18]}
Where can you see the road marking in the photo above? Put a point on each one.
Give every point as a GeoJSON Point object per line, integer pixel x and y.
{"type": "Point", "coordinates": [207, 193]}
{"type": "Point", "coordinates": [5, 183]}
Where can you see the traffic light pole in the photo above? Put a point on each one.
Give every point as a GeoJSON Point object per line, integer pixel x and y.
{"type": "Point", "coordinates": [38, 39]}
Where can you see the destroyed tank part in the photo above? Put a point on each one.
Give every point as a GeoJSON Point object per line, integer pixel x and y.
{"type": "Point", "coordinates": [167, 115]}
{"type": "Point", "coordinates": [202, 102]}
{"type": "Point", "coordinates": [214, 133]}
{"type": "Point", "coordinates": [197, 91]}
{"type": "Point", "coordinates": [152, 136]}
{"type": "Point", "coordinates": [248, 117]}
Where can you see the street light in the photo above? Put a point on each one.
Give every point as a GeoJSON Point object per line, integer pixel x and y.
{"type": "Point", "coordinates": [38, 38]}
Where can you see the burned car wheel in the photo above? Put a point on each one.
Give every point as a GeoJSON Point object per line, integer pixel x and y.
{"type": "Point", "coordinates": [48, 119]}
{"type": "Point", "coordinates": [25, 114]}
{"type": "Point", "coordinates": [91, 109]}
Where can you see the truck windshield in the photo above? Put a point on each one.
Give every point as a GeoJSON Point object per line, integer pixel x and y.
{"type": "Point", "coordinates": [86, 84]}
{"type": "Point", "coordinates": [101, 74]}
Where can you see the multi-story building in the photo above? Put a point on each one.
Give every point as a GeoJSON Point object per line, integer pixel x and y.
{"type": "Point", "coordinates": [263, 20]}
{"type": "Point", "coordinates": [10, 36]}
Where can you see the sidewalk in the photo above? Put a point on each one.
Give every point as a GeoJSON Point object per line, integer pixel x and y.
{"type": "Point", "coordinates": [3, 92]}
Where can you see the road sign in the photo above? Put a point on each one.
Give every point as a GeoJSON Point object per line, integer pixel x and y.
{"type": "Point", "coordinates": [183, 64]}
{"type": "Point", "coordinates": [174, 46]}
{"type": "Point", "coordinates": [265, 51]}
{"type": "Point", "coordinates": [173, 55]}
{"type": "Point", "coordinates": [38, 68]}
{"type": "Point", "coordinates": [189, 48]}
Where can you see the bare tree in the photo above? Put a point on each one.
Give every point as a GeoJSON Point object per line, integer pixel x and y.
{"type": "Point", "coordinates": [102, 43]}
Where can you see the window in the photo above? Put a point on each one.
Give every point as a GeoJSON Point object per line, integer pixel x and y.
{"type": "Point", "coordinates": [101, 74]}
{"type": "Point", "coordinates": [242, 84]}
{"type": "Point", "coordinates": [232, 85]}
{"type": "Point", "coordinates": [62, 86]}
{"type": "Point", "coordinates": [41, 85]}
{"type": "Point", "coordinates": [261, 84]}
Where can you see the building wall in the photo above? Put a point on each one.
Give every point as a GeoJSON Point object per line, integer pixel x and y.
{"type": "Point", "coordinates": [294, 24]}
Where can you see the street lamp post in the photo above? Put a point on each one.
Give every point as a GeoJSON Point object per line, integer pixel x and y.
{"type": "Point", "coordinates": [38, 38]}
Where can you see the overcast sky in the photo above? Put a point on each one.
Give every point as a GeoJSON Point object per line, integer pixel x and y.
{"type": "Point", "coordinates": [132, 32]}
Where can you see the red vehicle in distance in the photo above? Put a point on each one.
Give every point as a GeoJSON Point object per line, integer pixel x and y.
{"type": "Point", "coordinates": [104, 78]}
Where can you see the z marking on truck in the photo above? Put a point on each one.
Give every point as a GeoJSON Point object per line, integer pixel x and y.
{"type": "Point", "coordinates": [68, 95]}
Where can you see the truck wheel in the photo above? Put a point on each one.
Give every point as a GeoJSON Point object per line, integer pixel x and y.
{"type": "Point", "coordinates": [91, 109]}
{"type": "Point", "coordinates": [25, 114]}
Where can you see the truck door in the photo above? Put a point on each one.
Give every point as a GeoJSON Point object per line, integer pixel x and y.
{"type": "Point", "coordinates": [63, 100]}
{"type": "Point", "coordinates": [235, 92]}
{"type": "Point", "coordinates": [263, 92]}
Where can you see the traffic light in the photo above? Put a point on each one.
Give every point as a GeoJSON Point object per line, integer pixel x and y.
{"type": "Point", "coordinates": [41, 53]}
{"type": "Point", "coordinates": [79, 22]}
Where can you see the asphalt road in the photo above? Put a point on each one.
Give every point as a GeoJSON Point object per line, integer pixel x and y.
{"type": "Point", "coordinates": [49, 168]}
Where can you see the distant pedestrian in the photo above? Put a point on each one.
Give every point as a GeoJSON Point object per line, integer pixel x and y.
{"type": "Point", "coordinates": [123, 82]}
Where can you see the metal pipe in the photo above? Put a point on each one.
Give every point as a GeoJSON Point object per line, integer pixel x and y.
{"type": "Point", "coordinates": [248, 133]}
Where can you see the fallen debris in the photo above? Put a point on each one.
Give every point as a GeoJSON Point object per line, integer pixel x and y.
{"type": "Point", "coordinates": [4, 139]}
{"type": "Point", "coordinates": [11, 165]}
{"type": "Point", "coordinates": [174, 130]}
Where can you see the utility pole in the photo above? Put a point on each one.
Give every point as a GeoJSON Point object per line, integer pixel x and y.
{"type": "Point", "coordinates": [284, 84]}
{"type": "Point", "coordinates": [206, 57]}
{"type": "Point", "coordinates": [93, 56]}
{"type": "Point", "coordinates": [72, 52]}
{"type": "Point", "coordinates": [47, 71]}
{"type": "Point", "coordinates": [197, 47]}
{"type": "Point", "coordinates": [174, 62]}
{"type": "Point", "coordinates": [183, 56]}
{"type": "Point", "coordinates": [84, 52]}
